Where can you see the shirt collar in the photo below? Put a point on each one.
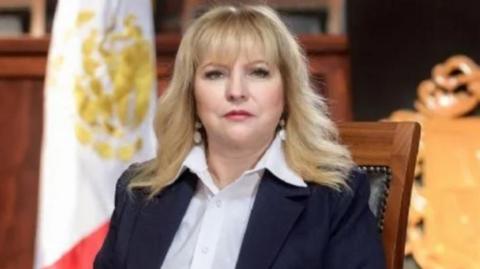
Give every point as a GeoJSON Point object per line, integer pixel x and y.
{"type": "Point", "coordinates": [273, 160]}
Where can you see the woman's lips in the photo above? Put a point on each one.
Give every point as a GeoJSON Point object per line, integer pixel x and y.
{"type": "Point", "coordinates": [238, 115]}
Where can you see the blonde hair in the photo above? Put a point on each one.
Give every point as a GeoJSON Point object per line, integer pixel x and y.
{"type": "Point", "coordinates": [311, 148]}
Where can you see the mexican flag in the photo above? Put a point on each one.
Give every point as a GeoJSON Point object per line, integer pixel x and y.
{"type": "Point", "coordinates": [100, 93]}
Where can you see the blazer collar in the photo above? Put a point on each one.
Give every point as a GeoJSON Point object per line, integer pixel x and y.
{"type": "Point", "coordinates": [275, 210]}
{"type": "Point", "coordinates": [157, 222]}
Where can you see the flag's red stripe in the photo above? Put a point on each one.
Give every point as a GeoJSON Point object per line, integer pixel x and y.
{"type": "Point", "coordinates": [81, 256]}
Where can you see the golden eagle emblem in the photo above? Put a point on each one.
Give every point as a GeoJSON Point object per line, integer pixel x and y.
{"type": "Point", "coordinates": [113, 92]}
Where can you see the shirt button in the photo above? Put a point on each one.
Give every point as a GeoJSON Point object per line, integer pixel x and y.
{"type": "Point", "coordinates": [204, 250]}
{"type": "Point", "coordinates": [218, 203]}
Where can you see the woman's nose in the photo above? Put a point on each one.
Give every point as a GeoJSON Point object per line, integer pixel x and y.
{"type": "Point", "coordinates": [237, 88]}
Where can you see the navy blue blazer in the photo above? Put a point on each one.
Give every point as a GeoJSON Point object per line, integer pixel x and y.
{"type": "Point", "coordinates": [289, 227]}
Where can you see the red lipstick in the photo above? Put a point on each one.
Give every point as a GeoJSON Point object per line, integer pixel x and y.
{"type": "Point", "coordinates": [238, 115]}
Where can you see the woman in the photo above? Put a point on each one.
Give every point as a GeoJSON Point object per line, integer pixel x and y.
{"type": "Point", "coordinates": [249, 171]}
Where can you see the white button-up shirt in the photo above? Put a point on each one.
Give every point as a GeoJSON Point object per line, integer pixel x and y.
{"type": "Point", "coordinates": [211, 232]}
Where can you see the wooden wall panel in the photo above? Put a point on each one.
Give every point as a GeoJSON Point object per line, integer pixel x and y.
{"type": "Point", "coordinates": [20, 137]}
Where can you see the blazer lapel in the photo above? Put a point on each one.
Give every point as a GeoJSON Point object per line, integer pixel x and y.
{"type": "Point", "coordinates": [277, 206]}
{"type": "Point", "coordinates": [157, 221]}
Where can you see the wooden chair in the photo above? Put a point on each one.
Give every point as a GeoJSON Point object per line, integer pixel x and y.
{"type": "Point", "coordinates": [386, 151]}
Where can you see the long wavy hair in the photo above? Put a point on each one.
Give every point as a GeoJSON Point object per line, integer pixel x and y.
{"type": "Point", "coordinates": [312, 147]}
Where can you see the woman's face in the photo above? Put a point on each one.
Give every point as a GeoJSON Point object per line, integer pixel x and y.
{"type": "Point", "coordinates": [239, 104]}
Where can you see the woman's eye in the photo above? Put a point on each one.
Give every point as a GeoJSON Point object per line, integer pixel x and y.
{"type": "Point", "coordinates": [260, 72]}
{"type": "Point", "coordinates": [215, 74]}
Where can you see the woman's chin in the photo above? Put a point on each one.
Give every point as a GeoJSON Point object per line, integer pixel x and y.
{"type": "Point", "coordinates": [243, 142]}
{"type": "Point", "coordinates": [245, 139]}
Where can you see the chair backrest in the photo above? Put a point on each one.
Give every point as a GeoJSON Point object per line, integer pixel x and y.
{"type": "Point", "coordinates": [388, 148]}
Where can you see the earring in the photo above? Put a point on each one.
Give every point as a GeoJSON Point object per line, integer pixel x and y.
{"type": "Point", "coordinates": [197, 136]}
{"type": "Point", "coordinates": [281, 131]}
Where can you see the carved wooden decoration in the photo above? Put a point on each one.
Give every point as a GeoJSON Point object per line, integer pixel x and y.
{"type": "Point", "coordinates": [453, 90]}
{"type": "Point", "coordinates": [444, 215]}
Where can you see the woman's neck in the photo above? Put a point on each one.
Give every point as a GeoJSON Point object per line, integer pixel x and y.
{"type": "Point", "coordinates": [226, 164]}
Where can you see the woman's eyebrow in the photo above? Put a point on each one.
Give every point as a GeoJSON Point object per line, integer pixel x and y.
{"type": "Point", "coordinates": [255, 62]}
{"type": "Point", "coordinates": [226, 66]}
{"type": "Point", "coordinates": [213, 64]}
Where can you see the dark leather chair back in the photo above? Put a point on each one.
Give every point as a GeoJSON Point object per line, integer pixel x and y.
{"type": "Point", "coordinates": [380, 178]}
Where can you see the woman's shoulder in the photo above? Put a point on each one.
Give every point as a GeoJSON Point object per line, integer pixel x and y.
{"type": "Point", "coordinates": [122, 186]}
{"type": "Point", "coordinates": [352, 226]}
{"type": "Point", "coordinates": [129, 173]}
{"type": "Point", "coordinates": [355, 181]}
{"type": "Point", "coordinates": [356, 189]}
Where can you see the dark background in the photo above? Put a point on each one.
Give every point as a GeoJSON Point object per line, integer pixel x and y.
{"type": "Point", "coordinates": [394, 44]}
